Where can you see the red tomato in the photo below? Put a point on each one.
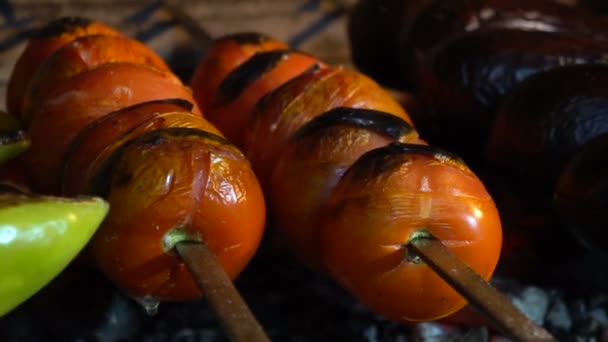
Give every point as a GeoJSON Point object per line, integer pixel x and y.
{"type": "Point", "coordinates": [182, 182]}
{"type": "Point", "coordinates": [225, 55]}
{"type": "Point", "coordinates": [40, 47]}
{"type": "Point", "coordinates": [284, 111]}
{"type": "Point", "coordinates": [240, 91]}
{"type": "Point", "coordinates": [82, 54]}
{"type": "Point", "coordinates": [387, 197]}
{"type": "Point", "coordinates": [82, 99]}
{"type": "Point", "coordinates": [312, 163]}
{"type": "Point", "coordinates": [98, 140]}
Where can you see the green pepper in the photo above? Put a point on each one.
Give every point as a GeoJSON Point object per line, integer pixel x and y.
{"type": "Point", "coordinates": [39, 236]}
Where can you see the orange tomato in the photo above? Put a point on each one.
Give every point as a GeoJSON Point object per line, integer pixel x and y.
{"type": "Point", "coordinates": [391, 195]}
{"type": "Point", "coordinates": [314, 160]}
{"type": "Point", "coordinates": [284, 111]}
{"type": "Point", "coordinates": [239, 92]}
{"type": "Point", "coordinates": [46, 41]}
{"type": "Point", "coordinates": [82, 54]}
{"type": "Point", "coordinates": [82, 99]}
{"type": "Point", "coordinates": [201, 188]}
{"type": "Point", "coordinates": [225, 55]}
{"type": "Point", "coordinates": [95, 143]}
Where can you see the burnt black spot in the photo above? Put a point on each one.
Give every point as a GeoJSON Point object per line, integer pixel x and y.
{"type": "Point", "coordinates": [380, 122]}
{"type": "Point", "coordinates": [64, 24]}
{"type": "Point", "coordinates": [263, 101]}
{"type": "Point", "coordinates": [82, 134]}
{"type": "Point", "coordinates": [101, 181]}
{"type": "Point", "coordinates": [256, 66]}
{"type": "Point", "coordinates": [387, 158]}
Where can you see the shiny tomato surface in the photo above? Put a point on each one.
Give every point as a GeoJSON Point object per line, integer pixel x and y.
{"type": "Point", "coordinates": [289, 107]}
{"type": "Point", "coordinates": [394, 194]}
{"type": "Point", "coordinates": [82, 99]}
{"type": "Point", "coordinates": [47, 40]}
{"type": "Point", "coordinates": [177, 184]}
{"type": "Point", "coordinates": [82, 54]}
{"type": "Point", "coordinates": [225, 55]}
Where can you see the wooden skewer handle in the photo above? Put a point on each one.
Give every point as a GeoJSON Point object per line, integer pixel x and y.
{"type": "Point", "coordinates": [477, 290]}
{"type": "Point", "coordinates": [239, 322]}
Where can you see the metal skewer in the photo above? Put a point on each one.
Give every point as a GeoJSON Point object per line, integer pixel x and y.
{"type": "Point", "coordinates": [239, 322]}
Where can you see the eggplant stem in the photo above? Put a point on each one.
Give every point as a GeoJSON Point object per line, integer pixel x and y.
{"type": "Point", "coordinates": [239, 322]}
{"type": "Point", "coordinates": [487, 299]}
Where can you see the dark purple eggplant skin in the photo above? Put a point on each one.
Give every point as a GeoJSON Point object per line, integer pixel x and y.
{"type": "Point", "coordinates": [544, 122]}
{"type": "Point", "coordinates": [373, 28]}
{"type": "Point", "coordinates": [581, 195]}
{"type": "Point", "coordinates": [467, 78]}
{"type": "Point", "coordinates": [442, 19]}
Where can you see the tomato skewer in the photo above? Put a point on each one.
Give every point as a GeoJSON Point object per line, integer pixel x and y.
{"type": "Point", "coordinates": [436, 254]}
{"type": "Point", "coordinates": [177, 189]}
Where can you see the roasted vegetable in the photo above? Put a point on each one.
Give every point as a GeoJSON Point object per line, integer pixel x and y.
{"type": "Point", "coordinates": [236, 96]}
{"type": "Point", "coordinates": [581, 194]}
{"type": "Point", "coordinates": [544, 122]}
{"type": "Point", "coordinates": [42, 45]}
{"type": "Point", "coordinates": [306, 133]}
{"type": "Point", "coordinates": [442, 20]}
{"type": "Point", "coordinates": [468, 77]}
{"type": "Point", "coordinates": [108, 118]}
{"type": "Point", "coordinates": [390, 196]}
{"type": "Point", "coordinates": [284, 111]}
{"type": "Point", "coordinates": [313, 161]}
{"type": "Point", "coordinates": [39, 236]}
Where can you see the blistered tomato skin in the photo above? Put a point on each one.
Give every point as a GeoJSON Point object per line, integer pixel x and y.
{"type": "Point", "coordinates": [312, 163]}
{"type": "Point", "coordinates": [241, 90]}
{"type": "Point", "coordinates": [226, 54]}
{"type": "Point", "coordinates": [82, 54]}
{"type": "Point", "coordinates": [280, 114]}
{"type": "Point", "coordinates": [88, 96]}
{"type": "Point", "coordinates": [200, 187]}
{"type": "Point", "coordinates": [41, 46]}
{"type": "Point", "coordinates": [98, 140]}
{"type": "Point", "coordinates": [388, 195]}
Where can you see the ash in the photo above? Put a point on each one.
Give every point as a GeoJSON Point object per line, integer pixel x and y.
{"type": "Point", "coordinates": [293, 304]}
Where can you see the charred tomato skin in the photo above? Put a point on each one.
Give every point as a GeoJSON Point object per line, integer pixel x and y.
{"type": "Point", "coordinates": [80, 55]}
{"type": "Point", "coordinates": [47, 40]}
{"type": "Point", "coordinates": [98, 140]}
{"type": "Point", "coordinates": [85, 96]}
{"type": "Point", "coordinates": [226, 54]}
{"type": "Point", "coordinates": [388, 196]}
{"type": "Point", "coordinates": [237, 95]}
{"type": "Point", "coordinates": [200, 188]}
{"type": "Point", "coordinates": [314, 160]}
{"type": "Point", "coordinates": [281, 113]}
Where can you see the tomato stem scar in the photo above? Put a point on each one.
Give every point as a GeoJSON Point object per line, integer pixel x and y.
{"type": "Point", "coordinates": [176, 235]}
{"type": "Point", "coordinates": [410, 253]}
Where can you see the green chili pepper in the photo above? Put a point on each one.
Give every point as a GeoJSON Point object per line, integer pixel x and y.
{"type": "Point", "coordinates": [39, 236]}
